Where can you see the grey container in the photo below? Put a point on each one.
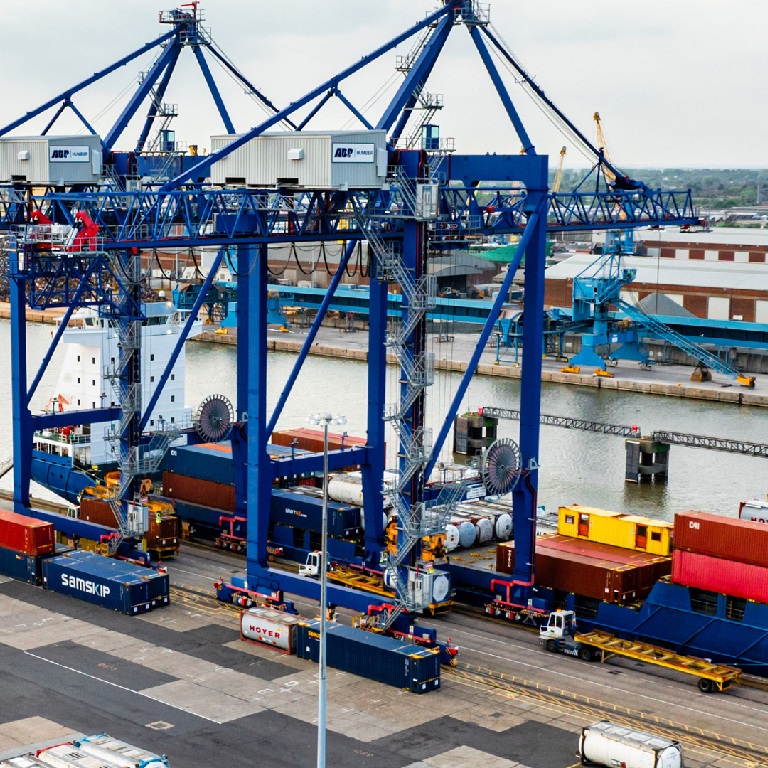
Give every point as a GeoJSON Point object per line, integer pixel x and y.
{"type": "Point", "coordinates": [372, 656]}
{"type": "Point", "coordinates": [55, 160]}
{"type": "Point", "coordinates": [121, 586]}
{"type": "Point", "coordinates": [327, 160]}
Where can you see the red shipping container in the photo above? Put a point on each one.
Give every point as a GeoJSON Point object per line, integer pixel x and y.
{"type": "Point", "coordinates": [714, 574]}
{"type": "Point", "coordinates": [725, 537]}
{"type": "Point", "coordinates": [203, 492]}
{"type": "Point", "coordinates": [24, 534]}
{"type": "Point", "coordinates": [313, 439]}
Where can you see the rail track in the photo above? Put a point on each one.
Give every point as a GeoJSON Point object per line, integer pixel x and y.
{"type": "Point", "coordinates": [693, 738]}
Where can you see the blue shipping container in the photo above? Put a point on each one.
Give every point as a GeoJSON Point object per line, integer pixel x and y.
{"type": "Point", "coordinates": [201, 462]}
{"type": "Point", "coordinates": [19, 566]}
{"type": "Point", "coordinates": [372, 656]}
{"type": "Point", "coordinates": [114, 584]}
{"type": "Point", "coordinates": [302, 511]}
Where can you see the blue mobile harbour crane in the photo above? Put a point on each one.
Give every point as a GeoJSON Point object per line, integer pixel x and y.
{"type": "Point", "coordinates": [405, 203]}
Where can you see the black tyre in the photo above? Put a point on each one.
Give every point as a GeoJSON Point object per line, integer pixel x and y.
{"type": "Point", "coordinates": [706, 686]}
{"type": "Point", "coordinates": [551, 646]}
{"type": "Point", "coordinates": [586, 654]}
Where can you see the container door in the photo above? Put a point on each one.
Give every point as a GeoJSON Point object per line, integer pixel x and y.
{"type": "Point", "coordinates": [583, 525]}
{"type": "Point", "coordinates": [641, 537]}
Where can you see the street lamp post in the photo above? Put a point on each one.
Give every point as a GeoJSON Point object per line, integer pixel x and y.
{"type": "Point", "coordinates": [325, 419]}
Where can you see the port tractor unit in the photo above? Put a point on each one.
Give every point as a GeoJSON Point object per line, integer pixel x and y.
{"type": "Point", "coordinates": [431, 200]}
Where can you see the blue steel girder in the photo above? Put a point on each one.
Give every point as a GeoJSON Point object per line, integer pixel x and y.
{"type": "Point", "coordinates": [212, 87]}
{"type": "Point", "coordinates": [194, 172]}
{"type": "Point", "coordinates": [157, 100]}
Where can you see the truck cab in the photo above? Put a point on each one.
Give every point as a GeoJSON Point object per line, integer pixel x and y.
{"type": "Point", "coordinates": [312, 565]}
{"type": "Point", "coordinates": [560, 624]}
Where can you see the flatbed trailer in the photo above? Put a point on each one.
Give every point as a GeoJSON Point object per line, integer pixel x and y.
{"type": "Point", "coordinates": [712, 677]}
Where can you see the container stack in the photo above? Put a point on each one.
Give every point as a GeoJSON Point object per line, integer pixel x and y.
{"type": "Point", "coordinates": [721, 554]}
{"type": "Point", "coordinates": [598, 554]}
{"type": "Point", "coordinates": [24, 541]}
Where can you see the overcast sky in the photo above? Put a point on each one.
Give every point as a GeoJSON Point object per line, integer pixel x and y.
{"type": "Point", "coordinates": [678, 83]}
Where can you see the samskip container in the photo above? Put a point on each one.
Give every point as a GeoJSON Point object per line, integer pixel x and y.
{"type": "Point", "coordinates": [270, 627]}
{"type": "Point", "coordinates": [717, 575]}
{"type": "Point", "coordinates": [372, 656]}
{"type": "Point", "coordinates": [608, 744]}
{"type": "Point", "coordinates": [26, 534]}
{"type": "Point", "coordinates": [732, 539]}
{"type": "Point", "coordinates": [103, 581]}
{"type": "Point", "coordinates": [20, 566]}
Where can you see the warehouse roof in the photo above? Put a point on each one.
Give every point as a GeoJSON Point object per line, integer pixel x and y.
{"type": "Point", "coordinates": [738, 237]}
{"type": "Point", "coordinates": [682, 272]}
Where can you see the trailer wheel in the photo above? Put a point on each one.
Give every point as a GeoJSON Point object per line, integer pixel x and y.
{"type": "Point", "coordinates": [706, 686]}
{"type": "Point", "coordinates": [586, 654]}
{"type": "Point", "coordinates": [551, 646]}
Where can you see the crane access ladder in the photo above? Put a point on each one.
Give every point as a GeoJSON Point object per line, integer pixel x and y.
{"type": "Point", "coordinates": [696, 351]}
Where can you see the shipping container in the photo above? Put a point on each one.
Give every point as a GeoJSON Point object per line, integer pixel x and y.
{"type": "Point", "coordinates": [20, 566]}
{"type": "Point", "coordinates": [754, 510]}
{"type": "Point", "coordinates": [207, 461]}
{"type": "Point", "coordinates": [337, 160]}
{"type": "Point", "coordinates": [124, 587]}
{"type": "Point", "coordinates": [655, 566]}
{"type": "Point", "coordinates": [22, 533]}
{"type": "Point", "coordinates": [311, 440]}
{"type": "Point", "coordinates": [372, 656]}
{"type": "Point", "coordinates": [609, 745]}
{"type": "Point", "coordinates": [300, 510]}
{"type": "Point", "coordinates": [274, 628]}
{"type": "Point", "coordinates": [120, 753]}
{"type": "Point", "coordinates": [198, 491]}
{"type": "Point", "coordinates": [713, 574]}
{"type": "Point", "coordinates": [727, 537]}
{"type": "Point", "coordinates": [588, 576]}
{"type": "Point", "coordinates": [615, 528]}
{"type": "Point", "coordinates": [69, 756]}
{"type": "Point", "coordinates": [162, 533]}
{"type": "Point", "coordinates": [97, 511]}
{"type": "Point", "coordinates": [57, 160]}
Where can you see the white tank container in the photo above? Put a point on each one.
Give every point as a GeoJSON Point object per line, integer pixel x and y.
{"type": "Point", "coordinates": [609, 744]}
{"type": "Point", "coordinates": [68, 756]}
{"type": "Point", "coordinates": [273, 628]}
{"type": "Point", "coordinates": [119, 753]}
{"type": "Point", "coordinates": [346, 490]}
{"type": "Point", "coordinates": [451, 537]}
{"type": "Point", "coordinates": [467, 534]}
{"type": "Point", "coordinates": [504, 527]}
{"type": "Point", "coordinates": [23, 761]}
{"type": "Point", "coordinates": [484, 528]}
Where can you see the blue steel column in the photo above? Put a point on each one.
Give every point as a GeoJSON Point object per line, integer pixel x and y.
{"type": "Point", "coordinates": [525, 495]}
{"type": "Point", "coordinates": [22, 420]}
{"type": "Point", "coordinates": [252, 399]}
{"type": "Point", "coordinates": [373, 472]}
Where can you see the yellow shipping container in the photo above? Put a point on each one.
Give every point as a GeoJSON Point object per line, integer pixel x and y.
{"type": "Point", "coordinates": [615, 528]}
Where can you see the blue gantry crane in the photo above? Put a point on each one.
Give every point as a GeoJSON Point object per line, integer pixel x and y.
{"type": "Point", "coordinates": [416, 202]}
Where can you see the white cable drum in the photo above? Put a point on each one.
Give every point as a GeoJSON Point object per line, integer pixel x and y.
{"type": "Point", "coordinates": [504, 526]}
{"type": "Point", "coordinates": [467, 534]}
{"type": "Point", "coordinates": [451, 537]}
{"type": "Point", "coordinates": [484, 529]}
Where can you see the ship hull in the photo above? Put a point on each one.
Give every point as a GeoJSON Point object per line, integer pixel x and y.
{"type": "Point", "coordinates": [57, 474]}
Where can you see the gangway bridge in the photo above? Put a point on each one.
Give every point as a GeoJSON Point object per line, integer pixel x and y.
{"type": "Point", "coordinates": [622, 430]}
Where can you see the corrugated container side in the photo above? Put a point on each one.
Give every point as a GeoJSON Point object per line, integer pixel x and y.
{"type": "Point", "coordinates": [714, 574]}
{"type": "Point", "coordinates": [202, 462]}
{"type": "Point", "coordinates": [21, 566]}
{"type": "Point", "coordinates": [312, 439]}
{"type": "Point", "coordinates": [97, 511]}
{"type": "Point", "coordinates": [99, 580]}
{"type": "Point", "coordinates": [725, 537]}
{"type": "Point", "coordinates": [372, 656]}
{"type": "Point", "coordinates": [25, 534]}
{"type": "Point", "coordinates": [162, 533]}
{"type": "Point", "coordinates": [582, 575]}
{"type": "Point", "coordinates": [198, 491]}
